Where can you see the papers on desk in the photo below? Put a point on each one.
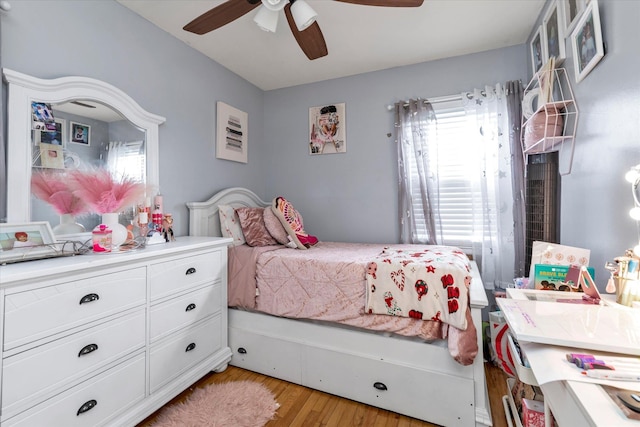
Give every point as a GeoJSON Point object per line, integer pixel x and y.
{"type": "Point", "coordinates": [577, 326]}
{"type": "Point", "coordinates": [550, 364]}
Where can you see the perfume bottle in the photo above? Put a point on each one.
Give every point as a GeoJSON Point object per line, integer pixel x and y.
{"type": "Point", "coordinates": [102, 238]}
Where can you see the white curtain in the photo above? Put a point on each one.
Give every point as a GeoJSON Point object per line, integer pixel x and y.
{"type": "Point", "coordinates": [487, 117]}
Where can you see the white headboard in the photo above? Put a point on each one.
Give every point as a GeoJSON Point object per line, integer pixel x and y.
{"type": "Point", "coordinates": [204, 219]}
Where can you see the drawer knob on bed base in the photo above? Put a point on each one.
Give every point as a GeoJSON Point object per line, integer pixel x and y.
{"type": "Point", "coordinates": [379, 386]}
{"type": "Point", "coordinates": [190, 347]}
{"type": "Point", "coordinates": [242, 350]}
{"type": "Point", "coordinates": [190, 271]}
{"type": "Point", "coordinates": [190, 307]}
{"type": "Point", "coordinates": [87, 406]}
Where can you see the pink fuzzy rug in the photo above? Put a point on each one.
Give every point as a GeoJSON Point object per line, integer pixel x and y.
{"type": "Point", "coordinates": [231, 404]}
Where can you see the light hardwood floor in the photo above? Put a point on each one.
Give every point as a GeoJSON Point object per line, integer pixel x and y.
{"type": "Point", "coordinates": [301, 406]}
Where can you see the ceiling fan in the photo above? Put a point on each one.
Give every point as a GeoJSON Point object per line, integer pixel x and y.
{"type": "Point", "coordinates": [300, 16]}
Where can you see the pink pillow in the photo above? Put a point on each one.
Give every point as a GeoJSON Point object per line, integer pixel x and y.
{"type": "Point", "coordinates": [230, 224]}
{"type": "Point", "coordinates": [253, 227]}
{"type": "Point", "coordinates": [274, 227]}
{"type": "Point", "coordinates": [291, 220]}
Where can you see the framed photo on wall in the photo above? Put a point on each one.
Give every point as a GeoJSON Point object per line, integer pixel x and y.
{"type": "Point", "coordinates": [231, 134]}
{"type": "Point", "coordinates": [327, 129]}
{"type": "Point", "coordinates": [55, 137]}
{"type": "Point", "coordinates": [538, 48]}
{"type": "Point", "coordinates": [586, 41]}
{"type": "Point", "coordinates": [552, 25]}
{"type": "Point", "coordinates": [572, 11]}
{"type": "Point", "coordinates": [80, 134]}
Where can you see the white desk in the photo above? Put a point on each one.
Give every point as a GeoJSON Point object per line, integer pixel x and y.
{"type": "Point", "coordinates": [573, 403]}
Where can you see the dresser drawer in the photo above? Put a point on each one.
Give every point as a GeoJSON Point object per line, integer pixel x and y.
{"type": "Point", "coordinates": [173, 356]}
{"type": "Point", "coordinates": [177, 313]}
{"type": "Point", "coordinates": [182, 273]}
{"type": "Point", "coordinates": [29, 376]}
{"type": "Point", "coordinates": [37, 313]}
{"type": "Point", "coordinates": [94, 402]}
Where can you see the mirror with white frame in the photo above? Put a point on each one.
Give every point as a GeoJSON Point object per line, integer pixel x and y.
{"type": "Point", "coordinates": [94, 121]}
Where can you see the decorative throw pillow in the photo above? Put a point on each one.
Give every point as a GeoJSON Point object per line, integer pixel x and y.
{"type": "Point", "coordinates": [291, 220]}
{"type": "Point", "coordinates": [253, 227]}
{"type": "Point", "coordinates": [230, 224]}
{"type": "Point", "coordinates": [274, 227]}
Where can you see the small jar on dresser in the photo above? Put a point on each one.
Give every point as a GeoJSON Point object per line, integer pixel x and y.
{"type": "Point", "coordinates": [107, 339]}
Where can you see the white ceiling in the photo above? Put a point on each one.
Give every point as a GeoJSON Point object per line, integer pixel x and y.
{"type": "Point", "coordinates": [359, 38]}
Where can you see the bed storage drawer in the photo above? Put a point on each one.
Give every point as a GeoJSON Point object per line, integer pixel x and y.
{"type": "Point", "coordinates": [94, 402]}
{"type": "Point", "coordinates": [418, 393]}
{"type": "Point", "coordinates": [171, 357]}
{"type": "Point", "coordinates": [187, 309]}
{"type": "Point", "coordinates": [265, 354]}
{"type": "Point", "coordinates": [179, 274]}
{"type": "Point", "coordinates": [28, 377]}
{"type": "Point", "coordinates": [37, 313]}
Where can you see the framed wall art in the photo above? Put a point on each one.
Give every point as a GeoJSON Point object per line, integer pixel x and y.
{"type": "Point", "coordinates": [24, 241]}
{"type": "Point", "coordinates": [80, 134]}
{"type": "Point", "coordinates": [538, 47]}
{"type": "Point", "coordinates": [56, 137]}
{"type": "Point", "coordinates": [327, 129]}
{"type": "Point", "coordinates": [231, 134]}
{"type": "Point", "coordinates": [553, 28]}
{"type": "Point", "coordinates": [586, 41]}
{"type": "Point", "coordinates": [572, 11]}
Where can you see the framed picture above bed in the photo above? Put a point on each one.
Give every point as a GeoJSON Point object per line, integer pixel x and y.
{"type": "Point", "coordinates": [231, 134]}
{"type": "Point", "coordinates": [327, 129]}
{"type": "Point", "coordinates": [586, 42]}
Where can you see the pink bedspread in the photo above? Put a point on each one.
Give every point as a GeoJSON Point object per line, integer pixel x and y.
{"type": "Point", "coordinates": [327, 283]}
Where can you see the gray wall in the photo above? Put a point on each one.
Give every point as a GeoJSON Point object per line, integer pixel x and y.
{"type": "Point", "coordinates": [348, 196]}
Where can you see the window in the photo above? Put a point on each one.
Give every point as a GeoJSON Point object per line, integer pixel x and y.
{"type": "Point", "coordinates": [127, 160]}
{"type": "Point", "coordinates": [455, 162]}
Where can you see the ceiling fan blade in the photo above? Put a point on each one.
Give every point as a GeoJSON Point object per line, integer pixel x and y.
{"type": "Point", "coordinates": [386, 3]}
{"type": "Point", "coordinates": [310, 40]}
{"type": "Point", "coordinates": [221, 15]}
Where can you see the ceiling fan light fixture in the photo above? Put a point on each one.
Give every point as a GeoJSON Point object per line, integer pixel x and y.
{"type": "Point", "coordinates": [275, 5]}
{"type": "Point", "coordinates": [266, 19]}
{"type": "Point", "coordinates": [303, 14]}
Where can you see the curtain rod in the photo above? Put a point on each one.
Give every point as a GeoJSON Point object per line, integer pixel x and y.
{"type": "Point", "coordinates": [440, 99]}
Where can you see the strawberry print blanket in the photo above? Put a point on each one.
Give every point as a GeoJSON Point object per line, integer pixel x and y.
{"type": "Point", "coordinates": [430, 283]}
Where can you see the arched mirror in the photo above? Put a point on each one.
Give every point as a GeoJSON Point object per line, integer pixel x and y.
{"type": "Point", "coordinates": [90, 123]}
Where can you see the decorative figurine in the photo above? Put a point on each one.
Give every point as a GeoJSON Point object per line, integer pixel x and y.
{"type": "Point", "coordinates": [167, 227]}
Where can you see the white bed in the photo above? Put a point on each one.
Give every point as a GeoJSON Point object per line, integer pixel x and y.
{"type": "Point", "coordinates": [383, 370]}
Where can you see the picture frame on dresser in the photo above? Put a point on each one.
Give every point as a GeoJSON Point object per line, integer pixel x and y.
{"type": "Point", "coordinates": [25, 241]}
{"type": "Point", "coordinates": [586, 42]}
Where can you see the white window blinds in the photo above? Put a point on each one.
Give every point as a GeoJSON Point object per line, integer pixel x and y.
{"type": "Point", "coordinates": [454, 156]}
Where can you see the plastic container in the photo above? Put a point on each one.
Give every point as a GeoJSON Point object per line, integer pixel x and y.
{"type": "Point", "coordinates": [102, 238]}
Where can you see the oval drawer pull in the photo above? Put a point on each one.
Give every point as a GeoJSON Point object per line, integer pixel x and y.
{"type": "Point", "coordinates": [190, 347]}
{"type": "Point", "coordinates": [242, 350]}
{"type": "Point", "coordinates": [379, 386]}
{"type": "Point", "coordinates": [190, 271]}
{"type": "Point", "coordinates": [87, 406]}
{"type": "Point", "coordinates": [190, 307]}
{"type": "Point", "coordinates": [90, 348]}
{"type": "Point", "coordinates": [89, 298]}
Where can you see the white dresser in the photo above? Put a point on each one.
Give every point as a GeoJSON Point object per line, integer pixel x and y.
{"type": "Point", "coordinates": [100, 339]}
